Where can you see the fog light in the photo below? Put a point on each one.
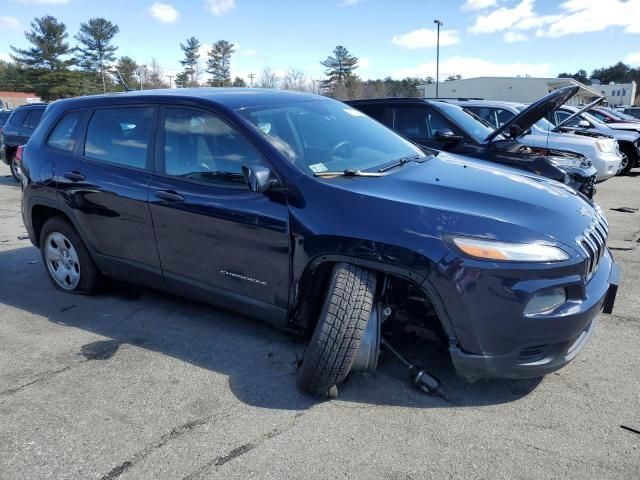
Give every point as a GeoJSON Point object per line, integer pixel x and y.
{"type": "Point", "coordinates": [546, 300]}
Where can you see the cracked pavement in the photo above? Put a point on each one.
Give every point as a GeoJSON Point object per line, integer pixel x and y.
{"type": "Point", "coordinates": [139, 384]}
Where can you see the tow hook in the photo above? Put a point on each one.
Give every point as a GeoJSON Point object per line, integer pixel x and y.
{"type": "Point", "coordinates": [420, 378]}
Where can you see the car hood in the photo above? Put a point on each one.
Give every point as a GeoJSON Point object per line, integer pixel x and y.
{"type": "Point", "coordinates": [632, 126]}
{"type": "Point", "coordinates": [463, 196]}
{"type": "Point", "coordinates": [536, 111]}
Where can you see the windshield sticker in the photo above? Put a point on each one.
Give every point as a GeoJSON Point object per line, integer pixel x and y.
{"type": "Point", "coordinates": [265, 127]}
{"type": "Point", "coordinates": [353, 112]}
{"type": "Point", "coordinates": [318, 168]}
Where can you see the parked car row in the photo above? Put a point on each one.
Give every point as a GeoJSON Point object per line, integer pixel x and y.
{"type": "Point", "coordinates": [16, 131]}
{"type": "Point", "coordinates": [455, 128]}
{"type": "Point", "coordinates": [306, 213]}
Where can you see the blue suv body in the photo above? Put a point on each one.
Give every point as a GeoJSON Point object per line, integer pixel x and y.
{"type": "Point", "coordinates": [255, 200]}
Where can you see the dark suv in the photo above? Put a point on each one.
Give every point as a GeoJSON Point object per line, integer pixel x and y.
{"type": "Point", "coordinates": [16, 131]}
{"type": "Point", "coordinates": [443, 126]}
{"type": "Point", "coordinates": [304, 212]}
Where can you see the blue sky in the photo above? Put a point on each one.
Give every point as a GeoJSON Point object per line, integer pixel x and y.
{"type": "Point", "coordinates": [396, 38]}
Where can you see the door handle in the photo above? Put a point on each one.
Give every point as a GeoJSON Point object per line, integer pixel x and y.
{"type": "Point", "coordinates": [74, 176]}
{"type": "Point", "coordinates": [169, 196]}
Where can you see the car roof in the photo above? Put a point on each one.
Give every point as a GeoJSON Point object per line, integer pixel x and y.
{"type": "Point", "coordinates": [487, 103]}
{"type": "Point", "coordinates": [231, 98]}
{"type": "Point", "coordinates": [387, 100]}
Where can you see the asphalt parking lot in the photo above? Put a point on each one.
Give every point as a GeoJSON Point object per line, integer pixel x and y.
{"type": "Point", "coordinates": [139, 384]}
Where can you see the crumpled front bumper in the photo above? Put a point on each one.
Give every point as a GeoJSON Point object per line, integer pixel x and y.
{"type": "Point", "coordinates": [523, 346]}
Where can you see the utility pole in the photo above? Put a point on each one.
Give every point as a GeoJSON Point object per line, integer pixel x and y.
{"type": "Point", "coordinates": [251, 77]}
{"type": "Point", "coordinates": [439, 24]}
{"type": "Point", "coordinates": [170, 78]}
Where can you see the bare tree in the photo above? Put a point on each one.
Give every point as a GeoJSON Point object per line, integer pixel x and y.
{"type": "Point", "coordinates": [295, 79]}
{"type": "Point", "coordinates": [268, 79]}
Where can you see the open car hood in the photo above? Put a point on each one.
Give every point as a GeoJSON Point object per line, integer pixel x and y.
{"type": "Point", "coordinates": [534, 112]}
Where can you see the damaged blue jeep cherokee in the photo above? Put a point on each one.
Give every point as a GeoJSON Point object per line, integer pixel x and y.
{"type": "Point", "coordinates": [304, 212]}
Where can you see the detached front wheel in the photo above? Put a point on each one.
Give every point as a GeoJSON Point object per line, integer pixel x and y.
{"type": "Point", "coordinates": [336, 339]}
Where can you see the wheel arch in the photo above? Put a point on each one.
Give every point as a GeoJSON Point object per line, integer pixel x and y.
{"type": "Point", "coordinates": [309, 295]}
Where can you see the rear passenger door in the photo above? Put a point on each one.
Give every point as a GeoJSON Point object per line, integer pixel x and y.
{"type": "Point", "coordinates": [217, 239]}
{"type": "Point", "coordinates": [103, 180]}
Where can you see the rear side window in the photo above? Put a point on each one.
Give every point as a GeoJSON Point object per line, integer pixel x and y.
{"type": "Point", "coordinates": [119, 136]}
{"type": "Point", "coordinates": [32, 119]}
{"type": "Point", "coordinates": [377, 112]}
{"type": "Point", "coordinates": [63, 136]}
{"type": "Point", "coordinates": [18, 117]}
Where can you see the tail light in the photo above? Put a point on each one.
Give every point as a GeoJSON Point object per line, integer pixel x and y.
{"type": "Point", "coordinates": [19, 153]}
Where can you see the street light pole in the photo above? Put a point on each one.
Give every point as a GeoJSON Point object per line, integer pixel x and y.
{"type": "Point", "coordinates": [439, 24]}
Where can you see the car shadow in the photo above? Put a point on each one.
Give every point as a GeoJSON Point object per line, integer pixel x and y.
{"type": "Point", "coordinates": [259, 361]}
{"type": "Point", "coordinates": [8, 181]}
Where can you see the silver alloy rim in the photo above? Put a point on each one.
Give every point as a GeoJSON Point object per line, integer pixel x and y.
{"type": "Point", "coordinates": [14, 167]}
{"type": "Point", "coordinates": [62, 260]}
{"type": "Point", "coordinates": [623, 163]}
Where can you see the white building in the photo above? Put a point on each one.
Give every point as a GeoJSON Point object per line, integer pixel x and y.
{"type": "Point", "coordinates": [618, 93]}
{"type": "Point", "coordinates": [511, 89]}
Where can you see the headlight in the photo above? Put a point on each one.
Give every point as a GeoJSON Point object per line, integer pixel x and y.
{"type": "Point", "coordinates": [606, 145]}
{"type": "Point", "coordinates": [509, 252]}
{"type": "Point", "coordinates": [566, 162]}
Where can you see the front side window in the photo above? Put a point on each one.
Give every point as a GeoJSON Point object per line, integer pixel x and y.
{"type": "Point", "coordinates": [200, 146]}
{"type": "Point", "coordinates": [486, 114]}
{"type": "Point", "coordinates": [320, 136]}
{"type": "Point", "coordinates": [119, 136]}
{"type": "Point", "coordinates": [63, 136]}
{"type": "Point", "coordinates": [468, 121]}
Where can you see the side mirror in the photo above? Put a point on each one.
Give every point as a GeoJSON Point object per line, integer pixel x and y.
{"type": "Point", "coordinates": [259, 178]}
{"type": "Point", "coordinates": [446, 135]}
{"type": "Point", "coordinates": [584, 124]}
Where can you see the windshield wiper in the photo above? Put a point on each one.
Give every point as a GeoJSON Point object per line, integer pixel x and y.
{"type": "Point", "coordinates": [347, 173]}
{"type": "Point", "coordinates": [401, 161]}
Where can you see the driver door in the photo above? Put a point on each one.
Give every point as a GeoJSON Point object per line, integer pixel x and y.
{"type": "Point", "coordinates": [217, 240]}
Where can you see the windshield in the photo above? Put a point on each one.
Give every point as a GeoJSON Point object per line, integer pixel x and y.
{"type": "Point", "coordinates": [542, 124]}
{"type": "Point", "coordinates": [475, 126]}
{"type": "Point", "coordinates": [321, 136]}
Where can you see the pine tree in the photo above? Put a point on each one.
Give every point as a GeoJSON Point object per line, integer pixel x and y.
{"type": "Point", "coordinates": [339, 68]}
{"type": "Point", "coordinates": [48, 37]}
{"type": "Point", "coordinates": [95, 47]}
{"type": "Point", "coordinates": [191, 58]}
{"type": "Point", "coordinates": [239, 82]}
{"type": "Point", "coordinates": [127, 68]}
{"type": "Point", "coordinates": [219, 63]}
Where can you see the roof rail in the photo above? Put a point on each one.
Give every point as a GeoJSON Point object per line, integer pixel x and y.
{"type": "Point", "coordinates": [453, 98]}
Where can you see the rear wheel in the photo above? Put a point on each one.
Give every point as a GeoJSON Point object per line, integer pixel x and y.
{"type": "Point", "coordinates": [66, 258]}
{"type": "Point", "coordinates": [336, 339]}
{"type": "Point", "coordinates": [13, 164]}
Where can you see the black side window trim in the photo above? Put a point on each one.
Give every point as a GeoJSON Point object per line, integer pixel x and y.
{"type": "Point", "coordinates": [159, 146]}
{"type": "Point", "coordinates": [149, 165]}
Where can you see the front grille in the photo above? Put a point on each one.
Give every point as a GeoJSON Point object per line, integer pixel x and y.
{"type": "Point", "coordinates": [594, 242]}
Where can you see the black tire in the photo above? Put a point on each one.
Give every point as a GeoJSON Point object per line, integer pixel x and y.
{"type": "Point", "coordinates": [89, 275]}
{"type": "Point", "coordinates": [336, 339]}
{"type": "Point", "coordinates": [13, 165]}
{"type": "Point", "coordinates": [632, 157]}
